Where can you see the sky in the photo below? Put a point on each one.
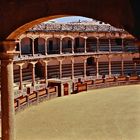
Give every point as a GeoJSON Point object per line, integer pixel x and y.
{"type": "Point", "coordinates": [71, 19]}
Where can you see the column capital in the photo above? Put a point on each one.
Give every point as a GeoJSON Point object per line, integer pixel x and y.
{"type": "Point", "coordinates": [45, 61]}
{"type": "Point", "coordinates": [60, 59]}
{"type": "Point", "coordinates": [110, 56]}
{"type": "Point", "coordinates": [84, 57]}
{"type": "Point", "coordinates": [20, 64]}
{"type": "Point", "coordinates": [33, 63]}
{"type": "Point", "coordinates": [8, 49]}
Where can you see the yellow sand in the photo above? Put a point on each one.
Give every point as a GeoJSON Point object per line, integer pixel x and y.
{"type": "Point", "coordinates": [103, 114]}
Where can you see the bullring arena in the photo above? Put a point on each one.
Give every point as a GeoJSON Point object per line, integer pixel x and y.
{"type": "Point", "coordinates": [101, 114]}
{"type": "Point", "coordinates": [92, 67]}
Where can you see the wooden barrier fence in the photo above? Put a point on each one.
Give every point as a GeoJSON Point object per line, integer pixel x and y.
{"type": "Point", "coordinates": [35, 97]}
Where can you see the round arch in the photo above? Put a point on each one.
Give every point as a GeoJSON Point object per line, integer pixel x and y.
{"type": "Point", "coordinates": [79, 43]}
{"type": "Point", "coordinates": [39, 70]}
{"type": "Point", "coordinates": [91, 43]}
{"type": "Point", "coordinates": [53, 45]}
{"type": "Point", "coordinates": [103, 44]}
{"type": "Point", "coordinates": [67, 45]}
{"type": "Point", "coordinates": [26, 45]}
{"type": "Point", "coordinates": [43, 11]}
{"type": "Point", "coordinates": [39, 45]}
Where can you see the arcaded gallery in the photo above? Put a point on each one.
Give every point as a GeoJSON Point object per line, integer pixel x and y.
{"type": "Point", "coordinates": [72, 53]}
{"type": "Point", "coordinates": [42, 59]}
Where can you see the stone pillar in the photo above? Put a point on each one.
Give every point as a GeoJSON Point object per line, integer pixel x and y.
{"type": "Point", "coordinates": [97, 47]}
{"type": "Point", "coordinates": [7, 53]}
{"type": "Point", "coordinates": [60, 68]}
{"type": "Point", "coordinates": [135, 68]}
{"type": "Point", "coordinates": [61, 52]}
{"type": "Point", "coordinates": [122, 65]}
{"type": "Point", "coordinates": [72, 68]}
{"type": "Point", "coordinates": [20, 74]}
{"type": "Point", "coordinates": [46, 72]}
{"type": "Point", "coordinates": [122, 44]}
{"type": "Point", "coordinates": [72, 46]}
{"type": "Point", "coordinates": [33, 73]}
{"type": "Point", "coordinates": [97, 67]}
{"type": "Point", "coordinates": [109, 66]}
{"type": "Point", "coordinates": [62, 89]}
{"type": "Point", "coordinates": [46, 47]}
{"type": "Point", "coordinates": [20, 48]}
{"type": "Point", "coordinates": [33, 48]}
{"type": "Point", "coordinates": [109, 45]}
{"type": "Point", "coordinates": [69, 88]}
{"type": "Point", "coordinates": [85, 68]}
{"type": "Point", "coordinates": [85, 46]}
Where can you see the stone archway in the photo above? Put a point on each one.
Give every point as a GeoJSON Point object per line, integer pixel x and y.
{"type": "Point", "coordinates": [41, 11]}
{"type": "Point", "coordinates": [115, 12]}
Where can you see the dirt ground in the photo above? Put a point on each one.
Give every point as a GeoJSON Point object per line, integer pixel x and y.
{"type": "Point", "coordinates": [103, 114]}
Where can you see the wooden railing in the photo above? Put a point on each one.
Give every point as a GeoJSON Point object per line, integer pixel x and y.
{"type": "Point", "coordinates": [35, 97]}
{"type": "Point", "coordinates": [107, 82]}
{"type": "Point", "coordinates": [81, 87]}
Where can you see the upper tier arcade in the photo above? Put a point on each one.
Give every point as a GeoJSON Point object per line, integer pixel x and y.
{"type": "Point", "coordinates": [64, 39]}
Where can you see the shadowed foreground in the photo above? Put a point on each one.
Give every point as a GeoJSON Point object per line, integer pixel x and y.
{"type": "Point", "coordinates": [103, 114]}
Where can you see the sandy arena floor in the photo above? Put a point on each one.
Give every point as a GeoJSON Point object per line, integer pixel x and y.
{"type": "Point", "coordinates": [103, 114]}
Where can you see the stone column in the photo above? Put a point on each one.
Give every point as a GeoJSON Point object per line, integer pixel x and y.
{"type": "Point", "coordinates": [20, 48]}
{"type": "Point", "coordinates": [109, 45]}
{"type": "Point", "coordinates": [62, 89]}
{"type": "Point", "coordinates": [72, 46]}
{"type": "Point", "coordinates": [69, 88]}
{"type": "Point", "coordinates": [97, 67]}
{"type": "Point", "coordinates": [122, 44]}
{"type": "Point", "coordinates": [72, 68]}
{"type": "Point", "coordinates": [61, 52]}
{"type": "Point", "coordinates": [7, 53]}
{"type": "Point", "coordinates": [60, 68]}
{"type": "Point", "coordinates": [46, 47]}
{"type": "Point", "coordinates": [33, 73]}
{"type": "Point", "coordinates": [85, 68]}
{"type": "Point", "coordinates": [109, 66]}
{"type": "Point", "coordinates": [135, 68]}
{"type": "Point", "coordinates": [20, 74]}
{"type": "Point", "coordinates": [122, 65]}
{"type": "Point", "coordinates": [33, 48]}
{"type": "Point", "coordinates": [85, 46]}
{"type": "Point", "coordinates": [46, 72]}
{"type": "Point", "coordinates": [97, 49]}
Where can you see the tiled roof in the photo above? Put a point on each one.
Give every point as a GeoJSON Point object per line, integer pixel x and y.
{"type": "Point", "coordinates": [75, 27]}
